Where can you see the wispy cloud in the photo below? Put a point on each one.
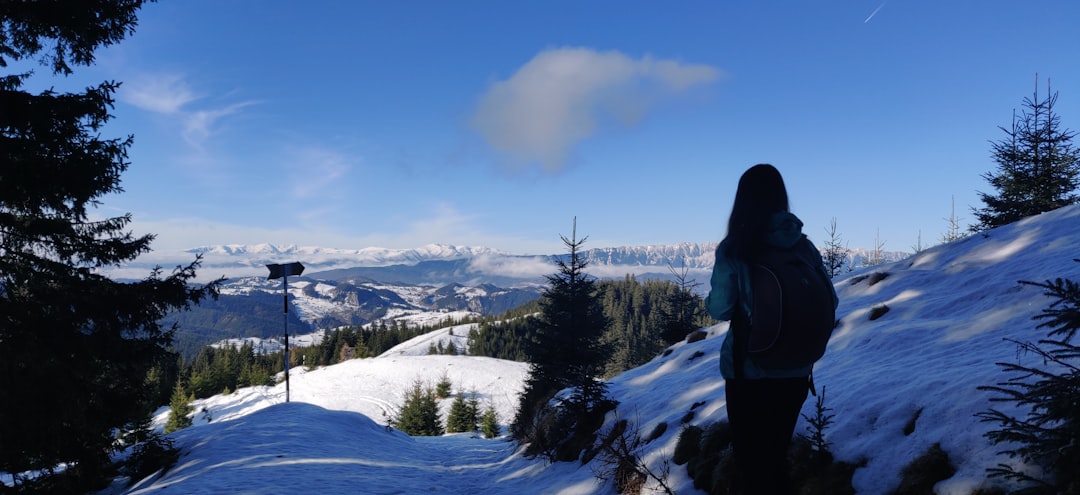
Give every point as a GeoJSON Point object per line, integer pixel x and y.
{"type": "Point", "coordinates": [317, 183]}
{"type": "Point", "coordinates": [199, 125]}
{"type": "Point", "coordinates": [161, 93]}
{"type": "Point", "coordinates": [560, 97]}
{"type": "Point", "coordinates": [171, 95]}
{"type": "Point", "coordinates": [317, 171]}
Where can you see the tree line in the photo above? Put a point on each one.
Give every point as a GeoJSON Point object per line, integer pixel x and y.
{"type": "Point", "coordinates": [641, 315]}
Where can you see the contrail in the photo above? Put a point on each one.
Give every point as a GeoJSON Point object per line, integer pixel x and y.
{"type": "Point", "coordinates": [872, 14]}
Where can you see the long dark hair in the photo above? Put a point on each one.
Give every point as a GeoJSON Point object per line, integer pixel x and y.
{"type": "Point", "coordinates": [761, 193]}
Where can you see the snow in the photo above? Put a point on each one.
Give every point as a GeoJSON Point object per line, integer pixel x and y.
{"type": "Point", "coordinates": [430, 318]}
{"type": "Point", "coordinates": [419, 346]}
{"type": "Point", "coordinates": [950, 309]}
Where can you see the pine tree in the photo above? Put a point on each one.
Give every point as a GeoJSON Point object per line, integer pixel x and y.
{"type": "Point", "coordinates": [953, 232]}
{"type": "Point", "coordinates": [834, 254]}
{"type": "Point", "coordinates": [1049, 435]}
{"type": "Point", "coordinates": [681, 311]}
{"type": "Point", "coordinates": [443, 387]}
{"type": "Point", "coordinates": [419, 414]}
{"type": "Point", "coordinates": [567, 351]}
{"type": "Point", "coordinates": [88, 340]}
{"type": "Point", "coordinates": [877, 255]}
{"type": "Point", "coordinates": [489, 423]}
{"type": "Point", "coordinates": [464, 415]}
{"type": "Point", "coordinates": [179, 409]}
{"type": "Point", "coordinates": [1038, 169]}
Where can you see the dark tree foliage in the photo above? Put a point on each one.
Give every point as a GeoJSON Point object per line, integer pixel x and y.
{"type": "Point", "coordinates": [683, 311]}
{"type": "Point", "coordinates": [1049, 434]}
{"type": "Point", "coordinates": [179, 409]}
{"type": "Point", "coordinates": [833, 253]}
{"type": "Point", "coordinates": [505, 337]}
{"type": "Point", "coordinates": [78, 345]}
{"type": "Point", "coordinates": [370, 340]}
{"type": "Point", "coordinates": [216, 370]}
{"type": "Point", "coordinates": [645, 318]}
{"type": "Point", "coordinates": [419, 414]}
{"type": "Point", "coordinates": [464, 414]}
{"type": "Point", "coordinates": [1038, 169]}
{"type": "Point", "coordinates": [567, 350]}
{"type": "Point", "coordinates": [489, 422]}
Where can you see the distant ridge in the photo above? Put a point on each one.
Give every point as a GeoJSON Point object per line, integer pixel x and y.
{"type": "Point", "coordinates": [470, 264]}
{"type": "Point", "coordinates": [369, 256]}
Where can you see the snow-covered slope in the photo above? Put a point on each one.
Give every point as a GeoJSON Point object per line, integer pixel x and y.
{"type": "Point", "coordinates": [921, 363]}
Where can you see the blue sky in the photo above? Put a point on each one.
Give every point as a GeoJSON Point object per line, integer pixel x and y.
{"type": "Point", "coordinates": [351, 124]}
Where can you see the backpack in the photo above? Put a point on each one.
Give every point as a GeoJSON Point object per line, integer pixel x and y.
{"type": "Point", "coordinates": [793, 313]}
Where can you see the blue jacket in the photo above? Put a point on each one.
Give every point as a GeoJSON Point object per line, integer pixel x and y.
{"type": "Point", "coordinates": [730, 283]}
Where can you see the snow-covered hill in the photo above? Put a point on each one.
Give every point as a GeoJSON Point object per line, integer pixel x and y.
{"type": "Point", "coordinates": [897, 385]}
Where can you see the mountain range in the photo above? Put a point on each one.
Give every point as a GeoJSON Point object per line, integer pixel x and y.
{"type": "Point", "coordinates": [358, 286]}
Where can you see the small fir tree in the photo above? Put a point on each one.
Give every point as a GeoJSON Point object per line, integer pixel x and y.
{"type": "Point", "coordinates": [463, 416]}
{"type": "Point", "coordinates": [682, 309]}
{"type": "Point", "coordinates": [834, 254]}
{"type": "Point", "coordinates": [419, 415]}
{"type": "Point", "coordinates": [489, 423]}
{"type": "Point", "coordinates": [877, 255]}
{"type": "Point", "coordinates": [953, 232]}
{"type": "Point", "coordinates": [443, 388]}
{"type": "Point", "coordinates": [179, 409]}
{"type": "Point", "coordinates": [1038, 169]}
{"type": "Point", "coordinates": [816, 426]}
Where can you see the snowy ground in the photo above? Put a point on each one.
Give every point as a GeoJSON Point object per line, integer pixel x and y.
{"type": "Point", "coordinates": [950, 308]}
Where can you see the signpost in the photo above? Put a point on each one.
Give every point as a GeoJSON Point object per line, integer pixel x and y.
{"type": "Point", "coordinates": [283, 271]}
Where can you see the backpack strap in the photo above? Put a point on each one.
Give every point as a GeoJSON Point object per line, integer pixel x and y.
{"type": "Point", "coordinates": [739, 327]}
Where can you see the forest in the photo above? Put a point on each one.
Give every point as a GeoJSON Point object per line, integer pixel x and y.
{"type": "Point", "coordinates": [641, 315]}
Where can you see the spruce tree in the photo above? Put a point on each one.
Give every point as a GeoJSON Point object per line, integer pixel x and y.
{"type": "Point", "coordinates": [443, 387]}
{"type": "Point", "coordinates": [834, 254]}
{"type": "Point", "coordinates": [419, 414]}
{"type": "Point", "coordinates": [77, 342]}
{"type": "Point", "coordinates": [464, 415]}
{"type": "Point", "coordinates": [179, 409]}
{"type": "Point", "coordinates": [953, 232]}
{"type": "Point", "coordinates": [681, 310]}
{"type": "Point", "coordinates": [489, 423]}
{"type": "Point", "coordinates": [566, 350]}
{"type": "Point", "coordinates": [1038, 169]}
{"type": "Point", "coordinates": [1049, 434]}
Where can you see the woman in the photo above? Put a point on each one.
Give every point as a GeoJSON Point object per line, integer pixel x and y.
{"type": "Point", "coordinates": [763, 404]}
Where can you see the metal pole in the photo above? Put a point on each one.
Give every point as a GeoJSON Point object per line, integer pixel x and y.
{"type": "Point", "coordinates": [283, 271]}
{"type": "Point", "coordinates": [285, 305]}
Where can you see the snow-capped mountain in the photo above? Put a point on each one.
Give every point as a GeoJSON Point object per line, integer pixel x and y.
{"type": "Point", "coordinates": [371, 256]}
{"type": "Point", "coordinates": [355, 287]}
{"type": "Point", "coordinates": [442, 264]}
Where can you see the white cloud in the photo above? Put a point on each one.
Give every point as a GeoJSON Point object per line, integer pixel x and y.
{"type": "Point", "coordinates": [523, 267]}
{"type": "Point", "coordinates": [560, 97]}
{"type": "Point", "coordinates": [170, 94]}
{"type": "Point", "coordinates": [317, 173]}
{"type": "Point", "coordinates": [162, 93]}
{"type": "Point", "coordinates": [199, 125]}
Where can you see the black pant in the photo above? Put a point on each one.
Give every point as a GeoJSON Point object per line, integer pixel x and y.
{"type": "Point", "coordinates": [762, 414]}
